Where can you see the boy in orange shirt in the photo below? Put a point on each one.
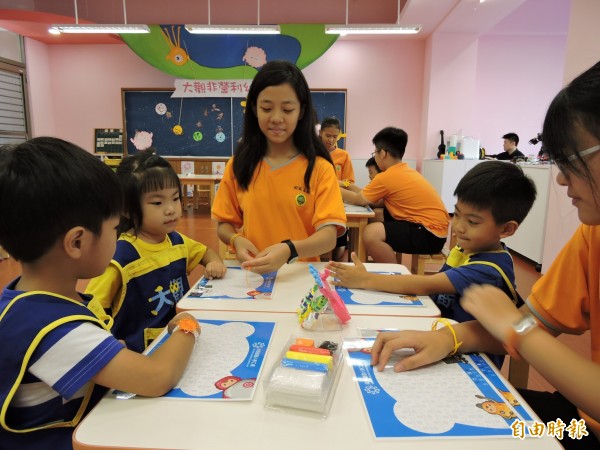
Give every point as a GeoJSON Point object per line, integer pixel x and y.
{"type": "Point", "coordinates": [415, 219]}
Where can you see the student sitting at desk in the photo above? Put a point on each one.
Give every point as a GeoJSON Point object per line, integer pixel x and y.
{"type": "Point", "coordinates": [415, 220]}
{"type": "Point", "coordinates": [279, 197]}
{"type": "Point", "coordinates": [373, 170]}
{"type": "Point", "coordinates": [329, 133]}
{"type": "Point", "coordinates": [148, 273]}
{"type": "Point", "coordinates": [492, 200]}
{"type": "Point", "coordinates": [56, 351]}
{"type": "Point", "coordinates": [565, 300]}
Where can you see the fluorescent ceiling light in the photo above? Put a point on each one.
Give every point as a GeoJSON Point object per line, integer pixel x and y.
{"type": "Point", "coordinates": [372, 29]}
{"type": "Point", "coordinates": [99, 28]}
{"type": "Point", "coordinates": [233, 29]}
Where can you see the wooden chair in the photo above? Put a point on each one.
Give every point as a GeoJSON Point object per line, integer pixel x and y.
{"type": "Point", "coordinates": [423, 264]}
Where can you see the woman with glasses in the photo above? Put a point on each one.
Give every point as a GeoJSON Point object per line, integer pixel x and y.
{"type": "Point", "coordinates": [565, 300]}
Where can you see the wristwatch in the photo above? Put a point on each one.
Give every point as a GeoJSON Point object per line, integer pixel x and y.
{"type": "Point", "coordinates": [519, 329]}
{"type": "Point", "coordinates": [293, 252]}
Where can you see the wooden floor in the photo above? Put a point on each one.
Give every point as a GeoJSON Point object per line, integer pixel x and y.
{"type": "Point", "coordinates": [197, 225]}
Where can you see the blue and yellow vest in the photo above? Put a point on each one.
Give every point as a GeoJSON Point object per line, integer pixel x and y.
{"type": "Point", "coordinates": [31, 316]}
{"type": "Point", "coordinates": [151, 288]}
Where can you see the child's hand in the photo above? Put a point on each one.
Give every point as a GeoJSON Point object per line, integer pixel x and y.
{"type": "Point", "coordinates": [269, 260]}
{"type": "Point", "coordinates": [492, 308]}
{"type": "Point", "coordinates": [348, 275]}
{"type": "Point", "coordinates": [429, 347]}
{"type": "Point", "coordinates": [215, 269]}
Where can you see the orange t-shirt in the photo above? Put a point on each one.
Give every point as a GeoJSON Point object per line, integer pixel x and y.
{"type": "Point", "coordinates": [407, 195]}
{"type": "Point", "coordinates": [276, 205]}
{"type": "Point", "coordinates": [342, 164]}
{"type": "Point", "coordinates": [567, 297]}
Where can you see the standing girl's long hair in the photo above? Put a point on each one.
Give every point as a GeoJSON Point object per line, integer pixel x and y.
{"type": "Point", "coordinates": [253, 145]}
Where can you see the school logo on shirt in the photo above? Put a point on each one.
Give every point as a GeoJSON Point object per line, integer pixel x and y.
{"type": "Point", "coordinates": [300, 199]}
{"type": "Point", "coordinates": [338, 167]}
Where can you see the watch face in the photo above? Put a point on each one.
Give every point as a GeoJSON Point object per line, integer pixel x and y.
{"type": "Point", "coordinates": [525, 325]}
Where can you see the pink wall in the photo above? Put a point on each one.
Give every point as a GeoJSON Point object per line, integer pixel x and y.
{"type": "Point", "coordinates": [385, 84]}
{"type": "Point", "coordinates": [582, 51]}
{"type": "Point", "coordinates": [517, 77]}
{"type": "Point", "coordinates": [78, 87]}
{"type": "Point", "coordinates": [451, 96]}
{"type": "Point", "coordinates": [39, 79]}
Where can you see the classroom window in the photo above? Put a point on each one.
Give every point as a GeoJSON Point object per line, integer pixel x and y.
{"type": "Point", "coordinates": [13, 113]}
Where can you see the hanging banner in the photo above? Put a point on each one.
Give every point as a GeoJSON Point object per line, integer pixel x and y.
{"type": "Point", "coordinates": [211, 88]}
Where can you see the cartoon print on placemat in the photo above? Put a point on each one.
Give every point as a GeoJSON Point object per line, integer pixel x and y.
{"type": "Point", "coordinates": [226, 362]}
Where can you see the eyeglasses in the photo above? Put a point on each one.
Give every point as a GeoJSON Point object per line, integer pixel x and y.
{"type": "Point", "coordinates": [575, 157]}
{"type": "Point", "coordinates": [586, 152]}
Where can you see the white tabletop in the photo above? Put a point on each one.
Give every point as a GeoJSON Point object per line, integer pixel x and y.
{"type": "Point", "coordinates": [191, 424]}
{"type": "Point", "coordinates": [294, 281]}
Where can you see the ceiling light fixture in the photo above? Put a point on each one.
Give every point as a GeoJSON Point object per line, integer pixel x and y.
{"type": "Point", "coordinates": [395, 28]}
{"type": "Point", "coordinates": [372, 29]}
{"type": "Point", "coordinates": [99, 28]}
{"type": "Point", "coordinates": [234, 29]}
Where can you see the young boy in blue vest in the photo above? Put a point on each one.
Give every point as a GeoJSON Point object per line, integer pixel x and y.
{"type": "Point", "coordinates": [493, 198]}
{"type": "Point", "coordinates": [60, 207]}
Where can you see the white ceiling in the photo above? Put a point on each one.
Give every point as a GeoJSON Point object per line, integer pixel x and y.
{"type": "Point", "coordinates": [32, 17]}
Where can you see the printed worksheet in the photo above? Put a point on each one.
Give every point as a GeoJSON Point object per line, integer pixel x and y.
{"type": "Point", "coordinates": [350, 208]}
{"type": "Point", "coordinates": [226, 363]}
{"type": "Point", "coordinates": [377, 298]}
{"type": "Point", "coordinates": [238, 284]}
{"type": "Point", "coordinates": [460, 396]}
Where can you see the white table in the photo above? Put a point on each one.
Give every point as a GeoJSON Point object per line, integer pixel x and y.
{"type": "Point", "coordinates": [294, 281]}
{"type": "Point", "coordinates": [145, 423]}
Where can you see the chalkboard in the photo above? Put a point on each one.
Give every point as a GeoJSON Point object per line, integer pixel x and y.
{"type": "Point", "coordinates": [199, 126]}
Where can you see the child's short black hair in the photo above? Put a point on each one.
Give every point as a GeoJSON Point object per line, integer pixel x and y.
{"type": "Point", "coordinates": [500, 187]}
{"type": "Point", "coordinates": [372, 163]}
{"type": "Point", "coordinates": [138, 174]}
{"type": "Point", "coordinates": [393, 140]}
{"type": "Point", "coordinates": [331, 121]}
{"type": "Point", "coordinates": [47, 187]}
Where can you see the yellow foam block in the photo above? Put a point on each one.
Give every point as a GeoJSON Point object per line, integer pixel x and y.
{"type": "Point", "coordinates": [323, 359]}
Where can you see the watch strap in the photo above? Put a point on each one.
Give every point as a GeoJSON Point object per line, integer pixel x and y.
{"type": "Point", "coordinates": [293, 251]}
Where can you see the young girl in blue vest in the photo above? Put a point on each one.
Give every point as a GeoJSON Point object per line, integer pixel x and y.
{"type": "Point", "coordinates": [148, 273]}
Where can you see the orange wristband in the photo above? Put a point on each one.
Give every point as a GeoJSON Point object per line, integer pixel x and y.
{"type": "Point", "coordinates": [188, 326]}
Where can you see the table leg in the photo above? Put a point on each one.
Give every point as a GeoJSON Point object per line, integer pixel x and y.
{"type": "Point", "coordinates": [196, 196]}
{"type": "Point", "coordinates": [211, 194]}
{"type": "Point", "coordinates": [361, 250]}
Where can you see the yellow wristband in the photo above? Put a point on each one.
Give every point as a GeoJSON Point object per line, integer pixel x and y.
{"type": "Point", "coordinates": [447, 323]}
{"type": "Point", "coordinates": [233, 238]}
